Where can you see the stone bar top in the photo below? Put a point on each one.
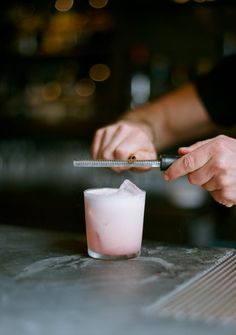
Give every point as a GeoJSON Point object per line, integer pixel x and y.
{"type": "Point", "coordinates": [49, 286]}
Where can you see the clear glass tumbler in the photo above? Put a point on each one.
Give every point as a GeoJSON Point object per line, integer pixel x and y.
{"type": "Point", "coordinates": [114, 222]}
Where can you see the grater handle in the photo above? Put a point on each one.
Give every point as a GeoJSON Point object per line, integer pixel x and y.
{"type": "Point", "coordinates": [167, 160]}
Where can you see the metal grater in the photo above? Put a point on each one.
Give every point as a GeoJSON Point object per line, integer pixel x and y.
{"type": "Point", "coordinates": [163, 162]}
{"type": "Point", "coordinates": [210, 296]}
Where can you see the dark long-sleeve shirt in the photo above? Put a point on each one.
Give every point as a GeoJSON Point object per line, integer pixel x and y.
{"type": "Point", "coordinates": [217, 90]}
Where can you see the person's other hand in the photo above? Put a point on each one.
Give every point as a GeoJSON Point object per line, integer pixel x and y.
{"type": "Point", "coordinates": [121, 140]}
{"type": "Point", "coordinates": [210, 164]}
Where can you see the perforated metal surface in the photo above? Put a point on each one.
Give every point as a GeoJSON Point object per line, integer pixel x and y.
{"type": "Point", "coordinates": [210, 296]}
{"type": "Point", "coordinates": [116, 163]}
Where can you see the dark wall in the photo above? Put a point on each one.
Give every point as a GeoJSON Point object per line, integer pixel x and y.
{"type": "Point", "coordinates": [50, 105]}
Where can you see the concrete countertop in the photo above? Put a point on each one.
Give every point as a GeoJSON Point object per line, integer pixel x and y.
{"type": "Point", "coordinates": [48, 285]}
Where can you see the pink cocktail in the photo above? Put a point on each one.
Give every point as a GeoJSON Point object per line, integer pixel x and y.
{"type": "Point", "coordinates": [114, 221]}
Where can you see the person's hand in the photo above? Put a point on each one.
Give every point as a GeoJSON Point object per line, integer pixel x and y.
{"type": "Point", "coordinates": [210, 164]}
{"type": "Point", "coordinates": [121, 140]}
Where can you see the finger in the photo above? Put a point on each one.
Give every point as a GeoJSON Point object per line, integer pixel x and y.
{"type": "Point", "coordinates": [127, 141]}
{"type": "Point", "coordinates": [222, 199]}
{"type": "Point", "coordinates": [115, 144]}
{"type": "Point", "coordinates": [111, 134]}
{"type": "Point", "coordinates": [96, 143]}
{"type": "Point", "coordinates": [211, 185]}
{"type": "Point", "coordinates": [111, 140]}
{"type": "Point", "coordinates": [185, 150]}
{"type": "Point", "coordinates": [204, 177]}
{"type": "Point", "coordinates": [117, 141]}
{"type": "Point", "coordinates": [140, 148]}
{"type": "Point", "coordinates": [110, 145]}
{"type": "Point", "coordinates": [127, 148]}
{"type": "Point", "coordinates": [188, 163]}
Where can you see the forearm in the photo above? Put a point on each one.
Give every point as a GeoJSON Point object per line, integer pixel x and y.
{"type": "Point", "coordinates": [175, 117]}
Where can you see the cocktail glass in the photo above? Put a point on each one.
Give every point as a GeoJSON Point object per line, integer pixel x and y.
{"type": "Point", "coordinates": [114, 221]}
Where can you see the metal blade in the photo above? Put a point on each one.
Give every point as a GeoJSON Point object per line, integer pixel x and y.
{"type": "Point", "coordinates": [116, 163]}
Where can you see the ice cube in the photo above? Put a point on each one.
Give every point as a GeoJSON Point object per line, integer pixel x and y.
{"type": "Point", "coordinates": [129, 187]}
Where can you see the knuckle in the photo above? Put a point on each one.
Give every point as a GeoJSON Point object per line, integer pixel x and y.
{"type": "Point", "coordinates": [98, 133]}
{"type": "Point", "coordinates": [221, 137]}
{"type": "Point", "coordinates": [123, 127]}
{"type": "Point", "coordinates": [220, 166]}
{"type": "Point", "coordinates": [220, 143]}
{"type": "Point", "coordinates": [222, 181]}
{"type": "Point", "coordinates": [120, 153]}
{"type": "Point", "coordinates": [189, 162]}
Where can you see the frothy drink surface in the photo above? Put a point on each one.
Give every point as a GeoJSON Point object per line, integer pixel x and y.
{"type": "Point", "coordinates": [114, 220]}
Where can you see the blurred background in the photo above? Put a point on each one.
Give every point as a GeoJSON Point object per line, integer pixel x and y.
{"type": "Point", "coordinates": [70, 66]}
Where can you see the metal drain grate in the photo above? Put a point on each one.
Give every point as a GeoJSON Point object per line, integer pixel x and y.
{"type": "Point", "coordinates": [210, 296]}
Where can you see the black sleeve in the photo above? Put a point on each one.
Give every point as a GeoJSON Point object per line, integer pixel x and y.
{"type": "Point", "coordinates": [217, 90]}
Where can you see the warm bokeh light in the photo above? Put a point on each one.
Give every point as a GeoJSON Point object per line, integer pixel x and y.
{"type": "Point", "coordinates": [181, 1]}
{"type": "Point", "coordinates": [64, 5]}
{"type": "Point", "coordinates": [98, 3]}
{"type": "Point", "coordinates": [99, 72]}
{"type": "Point", "coordinates": [62, 34]}
{"type": "Point", "coordinates": [85, 87]}
{"type": "Point", "coordinates": [51, 91]}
